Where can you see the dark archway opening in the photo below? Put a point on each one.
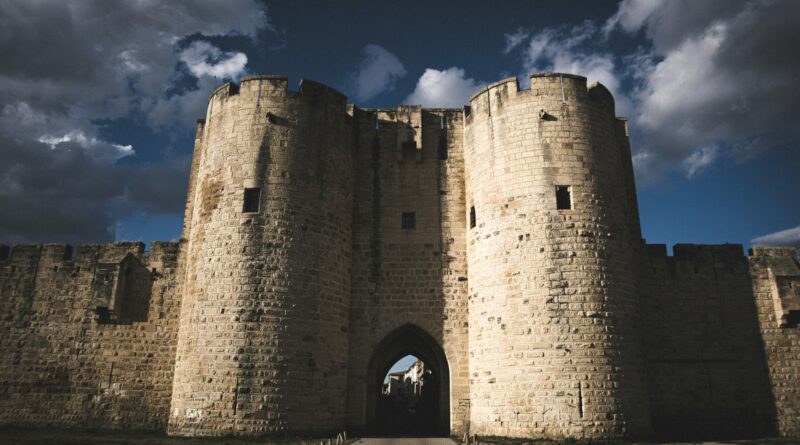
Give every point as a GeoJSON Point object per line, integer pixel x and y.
{"type": "Point", "coordinates": [419, 406]}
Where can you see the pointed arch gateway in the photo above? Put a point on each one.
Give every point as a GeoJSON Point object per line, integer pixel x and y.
{"type": "Point", "coordinates": [434, 417]}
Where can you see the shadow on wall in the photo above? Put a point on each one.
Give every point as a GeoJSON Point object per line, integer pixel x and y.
{"type": "Point", "coordinates": [122, 291]}
{"type": "Point", "coordinates": [707, 372]}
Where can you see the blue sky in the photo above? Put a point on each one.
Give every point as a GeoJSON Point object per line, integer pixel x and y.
{"type": "Point", "coordinates": [98, 99]}
{"type": "Point", "coordinates": [401, 365]}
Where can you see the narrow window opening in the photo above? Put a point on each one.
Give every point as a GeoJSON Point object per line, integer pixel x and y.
{"type": "Point", "coordinates": [443, 144]}
{"type": "Point", "coordinates": [408, 220]}
{"type": "Point", "coordinates": [563, 197]}
{"type": "Point", "coordinates": [236, 397]}
{"type": "Point", "coordinates": [252, 199]}
{"type": "Point", "coordinates": [472, 217]}
{"type": "Point", "coordinates": [442, 138]}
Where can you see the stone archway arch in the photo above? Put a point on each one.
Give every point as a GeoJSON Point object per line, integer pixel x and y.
{"type": "Point", "coordinates": [409, 339]}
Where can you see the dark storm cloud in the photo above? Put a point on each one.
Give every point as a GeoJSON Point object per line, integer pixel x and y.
{"type": "Point", "coordinates": [68, 65]}
{"type": "Point", "coordinates": [159, 188]}
{"type": "Point", "coordinates": [48, 195]}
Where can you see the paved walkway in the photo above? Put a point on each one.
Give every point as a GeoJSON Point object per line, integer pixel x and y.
{"type": "Point", "coordinates": [405, 441]}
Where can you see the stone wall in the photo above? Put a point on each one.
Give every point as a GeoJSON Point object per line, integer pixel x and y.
{"type": "Point", "coordinates": [554, 318]}
{"type": "Point", "coordinates": [706, 369]}
{"type": "Point", "coordinates": [775, 276]}
{"type": "Point", "coordinates": [89, 340]}
{"type": "Point", "coordinates": [262, 345]}
{"type": "Point", "coordinates": [408, 160]}
{"type": "Point", "coordinates": [719, 362]}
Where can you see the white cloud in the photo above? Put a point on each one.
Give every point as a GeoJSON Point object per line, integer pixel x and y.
{"type": "Point", "coordinates": [560, 51]}
{"type": "Point", "coordinates": [682, 82]}
{"type": "Point", "coordinates": [378, 71]}
{"type": "Point", "coordinates": [514, 39]}
{"type": "Point", "coordinates": [564, 50]}
{"type": "Point", "coordinates": [448, 88]}
{"type": "Point", "coordinates": [700, 160]}
{"type": "Point", "coordinates": [631, 15]}
{"type": "Point", "coordinates": [205, 59]}
{"type": "Point", "coordinates": [788, 237]}
{"type": "Point", "coordinates": [99, 150]}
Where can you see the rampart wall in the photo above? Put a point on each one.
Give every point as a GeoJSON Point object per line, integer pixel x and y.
{"type": "Point", "coordinates": [719, 359]}
{"type": "Point", "coordinates": [88, 340]}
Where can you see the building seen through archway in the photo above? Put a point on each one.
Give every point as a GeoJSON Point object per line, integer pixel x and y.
{"type": "Point", "coordinates": [408, 392]}
{"type": "Point", "coordinates": [408, 404]}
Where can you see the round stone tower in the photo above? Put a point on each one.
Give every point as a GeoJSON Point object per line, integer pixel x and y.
{"type": "Point", "coordinates": [262, 345]}
{"type": "Point", "coordinates": [552, 245]}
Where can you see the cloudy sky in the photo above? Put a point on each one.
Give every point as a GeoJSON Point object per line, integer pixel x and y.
{"type": "Point", "coordinates": [98, 99]}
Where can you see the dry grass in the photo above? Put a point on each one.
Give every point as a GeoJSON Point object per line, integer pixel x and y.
{"type": "Point", "coordinates": [55, 436]}
{"type": "Point", "coordinates": [493, 440]}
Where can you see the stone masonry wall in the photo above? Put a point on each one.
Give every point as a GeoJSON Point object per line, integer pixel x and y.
{"type": "Point", "coordinates": [263, 337]}
{"type": "Point", "coordinates": [554, 319]}
{"type": "Point", "coordinates": [68, 361]}
{"type": "Point", "coordinates": [719, 361]}
{"type": "Point", "coordinates": [408, 160]}
{"type": "Point", "coordinates": [775, 278]}
{"type": "Point", "coordinates": [706, 368]}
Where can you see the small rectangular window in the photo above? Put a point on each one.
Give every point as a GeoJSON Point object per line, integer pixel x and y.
{"type": "Point", "coordinates": [563, 197]}
{"type": "Point", "coordinates": [472, 218]}
{"type": "Point", "coordinates": [409, 220]}
{"type": "Point", "coordinates": [252, 199]}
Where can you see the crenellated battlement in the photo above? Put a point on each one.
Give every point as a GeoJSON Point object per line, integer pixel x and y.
{"type": "Point", "coordinates": [546, 89]}
{"type": "Point", "coordinates": [541, 84]}
{"type": "Point", "coordinates": [707, 252]}
{"type": "Point", "coordinates": [700, 252]}
{"type": "Point", "coordinates": [721, 261]}
{"type": "Point", "coordinates": [599, 94]}
{"type": "Point", "coordinates": [263, 89]}
{"type": "Point", "coordinates": [64, 256]}
{"type": "Point", "coordinates": [402, 130]}
{"type": "Point", "coordinates": [493, 86]}
{"type": "Point", "coordinates": [115, 278]}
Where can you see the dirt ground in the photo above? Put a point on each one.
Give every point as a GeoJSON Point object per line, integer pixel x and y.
{"type": "Point", "coordinates": [507, 441]}
{"type": "Point", "coordinates": [53, 436]}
